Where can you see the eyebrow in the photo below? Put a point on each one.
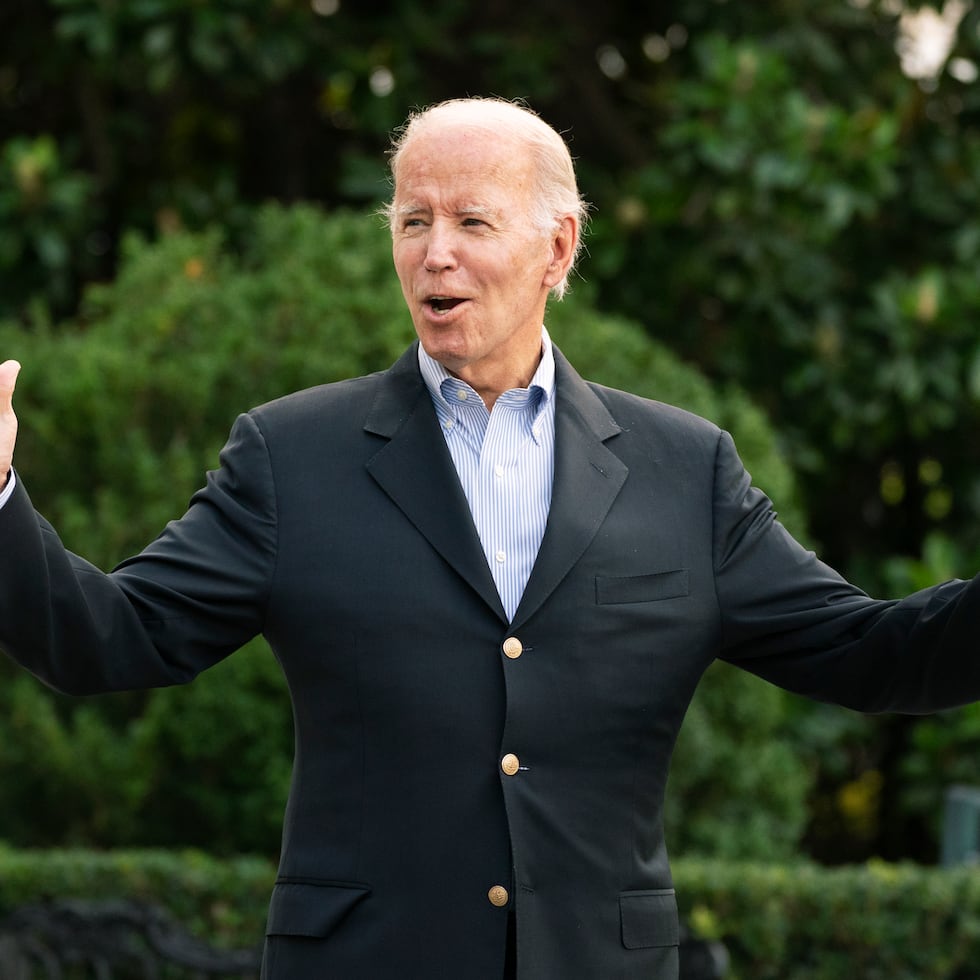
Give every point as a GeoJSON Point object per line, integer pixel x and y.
{"type": "Point", "coordinates": [478, 211]}
{"type": "Point", "coordinates": [466, 210]}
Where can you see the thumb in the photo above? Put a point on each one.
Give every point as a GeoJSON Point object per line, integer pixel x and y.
{"type": "Point", "coordinates": [8, 421]}
{"type": "Point", "coordinates": [8, 381]}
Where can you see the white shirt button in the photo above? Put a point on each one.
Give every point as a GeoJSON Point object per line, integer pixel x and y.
{"type": "Point", "coordinates": [498, 470]}
{"type": "Point", "coordinates": [462, 394]}
{"type": "Point", "coordinates": [501, 557]}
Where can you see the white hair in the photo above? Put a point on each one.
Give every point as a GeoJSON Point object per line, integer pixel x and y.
{"type": "Point", "coordinates": [555, 196]}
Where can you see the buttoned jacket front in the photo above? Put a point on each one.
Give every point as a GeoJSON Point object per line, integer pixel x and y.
{"type": "Point", "coordinates": [452, 766]}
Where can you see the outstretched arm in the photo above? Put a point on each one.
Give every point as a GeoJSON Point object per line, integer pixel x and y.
{"type": "Point", "coordinates": [8, 420]}
{"type": "Point", "coordinates": [193, 596]}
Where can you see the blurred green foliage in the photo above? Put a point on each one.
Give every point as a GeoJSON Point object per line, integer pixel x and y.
{"type": "Point", "coordinates": [824, 253]}
{"type": "Point", "coordinates": [123, 410]}
{"type": "Point", "coordinates": [44, 210]}
{"type": "Point", "coordinates": [223, 901]}
{"type": "Point", "coordinates": [803, 922]}
{"type": "Point", "coordinates": [776, 199]}
{"type": "Point", "coordinates": [793, 921]}
{"type": "Point", "coordinates": [777, 202]}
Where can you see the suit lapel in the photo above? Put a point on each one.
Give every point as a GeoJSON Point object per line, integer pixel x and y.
{"type": "Point", "coordinates": [416, 470]}
{"type": "Point", "coordinates": [588, 478]}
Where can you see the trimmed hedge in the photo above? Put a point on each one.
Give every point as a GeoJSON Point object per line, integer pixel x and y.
{"type": "Point", "coordinates": [779, 922]}
{"type": "Point", "coordinates": [222, 900]}
{"type": "Point", "coordinates": [806, 922]}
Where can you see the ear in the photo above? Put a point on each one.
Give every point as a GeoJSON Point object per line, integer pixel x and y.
{"type": "Point", "coordinates": [563, 245]}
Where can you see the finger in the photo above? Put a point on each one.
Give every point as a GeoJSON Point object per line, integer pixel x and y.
{"type": "Point", "coordinates": [8, 381]}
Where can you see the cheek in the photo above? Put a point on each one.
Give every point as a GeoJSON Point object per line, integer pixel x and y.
{"type": "Point", "coordinates": [404, 269]}
{"type": "Point", "coordinates": [405, 252]}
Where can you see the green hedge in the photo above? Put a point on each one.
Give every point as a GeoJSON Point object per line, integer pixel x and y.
{"type": "Point", "coordinates": [779, 922]}
{"type": "Point", "coordinates": [864, 922]}
{"type": "Point", "coordinates": [221, 900]}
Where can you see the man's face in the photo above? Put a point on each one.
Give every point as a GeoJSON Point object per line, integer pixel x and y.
{"type": "Point", "coordinates": [474, 271]}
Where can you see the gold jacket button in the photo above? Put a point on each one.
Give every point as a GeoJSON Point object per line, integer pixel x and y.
{"type": "Point", "coordinates": [513, 647]}
{"type": "Point", "coordinates": [510, 764]}
{"type": "Point", "coordinates": [498, 896]}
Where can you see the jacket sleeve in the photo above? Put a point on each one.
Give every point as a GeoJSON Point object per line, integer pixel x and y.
{"type": "Point", "coordinates": [193, 596]}
{"type": "Point", "coordinates": [794, 621]}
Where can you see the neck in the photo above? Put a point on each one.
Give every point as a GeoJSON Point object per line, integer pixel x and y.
{"type": "Point", "coordinates": [491, 386]}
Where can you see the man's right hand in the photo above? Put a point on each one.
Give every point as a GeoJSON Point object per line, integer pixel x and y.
{"type": "Point", "coordinates": [8, 420]}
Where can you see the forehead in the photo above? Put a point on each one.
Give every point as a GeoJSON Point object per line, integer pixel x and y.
{"type": "Point", "coordinates": [464, 165]}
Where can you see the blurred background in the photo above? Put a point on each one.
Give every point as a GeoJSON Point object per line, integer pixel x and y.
{"type": "Point", "coordinates": [785, 237]}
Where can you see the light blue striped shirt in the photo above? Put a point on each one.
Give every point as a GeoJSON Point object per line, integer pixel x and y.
{"type": "Point", "coordinates": [505, 461]}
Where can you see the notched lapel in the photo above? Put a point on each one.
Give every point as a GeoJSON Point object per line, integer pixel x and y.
{"type": "Point", "coordinates": [415, 469]}
{"type": "Point", "coordinates": [588, 478]}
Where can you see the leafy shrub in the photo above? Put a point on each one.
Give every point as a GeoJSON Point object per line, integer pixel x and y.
{"type": "Point", "coordinates": [221, 900]}
{"type": "Point", "coordinates": [803, 922]}
{"type": "Point", "coordinates": [122, 411]}
{"type": "Point", "coordinates": [46, 210]}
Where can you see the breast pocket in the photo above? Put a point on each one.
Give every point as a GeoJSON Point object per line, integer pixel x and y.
{"type": "Point", "coordinates": [619, 589]}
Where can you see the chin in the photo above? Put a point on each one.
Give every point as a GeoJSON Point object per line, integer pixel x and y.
{"type": "Point", "coordinates": [448, 355]}
{"type": "Point", "coordinates": [453, 363]}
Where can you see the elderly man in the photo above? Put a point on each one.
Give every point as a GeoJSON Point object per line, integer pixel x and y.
{"type": "Point", "coordinates": [493, 588]}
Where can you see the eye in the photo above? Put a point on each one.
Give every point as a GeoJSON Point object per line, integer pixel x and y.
{"type": "Point", "coordinates": [473, 222]}
{"type": "Point", "coordinates": [410, 226]}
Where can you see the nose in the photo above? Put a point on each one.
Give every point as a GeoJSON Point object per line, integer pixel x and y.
{"type": "Point", "coordinates": [440, 248]}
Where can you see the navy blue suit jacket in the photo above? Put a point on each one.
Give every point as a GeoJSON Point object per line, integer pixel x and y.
{"type": "Point", "coordinates": [336, 527]}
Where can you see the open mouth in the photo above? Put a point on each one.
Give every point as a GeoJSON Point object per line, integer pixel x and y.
{"type": "Point", "coordinates": [443, 304]}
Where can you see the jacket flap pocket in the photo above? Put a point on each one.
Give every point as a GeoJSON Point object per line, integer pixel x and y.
{"type": "Point", "coordinates": [305, 909]}
{"type": "Point", "coordinates": [649, 918]}
{"type": "Point", "coordinates": [610, 589]}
